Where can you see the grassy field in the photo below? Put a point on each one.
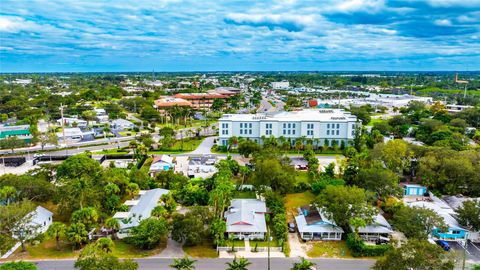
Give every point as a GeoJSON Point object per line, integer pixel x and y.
{"type": "Point", "coordinates": [301, 177]}
{"type": "Point", "coordinates": [47, 250]}
{"type": "Point", "coordinates": [374, 120]}
{"type": "Point", "coordinates": [205, 250]}
{"type": "Point", "coordinates": [329, 249]}
{"type": "Point", "coordinates": [244, 195]}
{"type": "Point", "coordinates": [295, 200]}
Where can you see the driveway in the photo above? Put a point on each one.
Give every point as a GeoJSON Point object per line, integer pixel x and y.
{"type": "Point", "coordinates": [173, 250]}
{"type": "Point", "coordinates": [297, 248]}
{"type": "Point", "coordinates": [472, 252]}
{"type": "Point", "coordinates": [205, 147]}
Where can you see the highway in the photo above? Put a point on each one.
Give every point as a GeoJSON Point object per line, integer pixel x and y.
{"type": "Point", "coordinates": [219, 264]}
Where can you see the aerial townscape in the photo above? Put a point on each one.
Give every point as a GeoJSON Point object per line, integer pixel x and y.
{"type": "Point", "coordinates": [166, 152]}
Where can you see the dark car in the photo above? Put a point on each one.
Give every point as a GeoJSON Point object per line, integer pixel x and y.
{"type": "Point", "coordinates": [443, 244]}
{"type": "Point", "coordinates": [291, 227]}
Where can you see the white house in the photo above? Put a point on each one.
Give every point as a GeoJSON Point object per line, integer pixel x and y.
{"type": "Point", "coordinates": [74, 134]}
{"type": "Point", "coordinates": [121, 124]}
{"type": "Point", "coordinates": [323, 125]}
{"type": "Point", "coordinates": [71, 121]}
{"type": "Point", "coordinates": [39, 221]}
{"type": "Point", "coordinates": [160, 163]}
{"type": "Point", "coordinates": [379, 229]}
{"type": "Point", "coordinates": [140, 208]}
{"type": "Point", "coordinates": [245, 218]}
{"type": "Point", "coordinates": [101, 115]}
{"type": "Point", "coordinates": [313, 224]}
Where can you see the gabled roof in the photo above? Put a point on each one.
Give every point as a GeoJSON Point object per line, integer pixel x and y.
{"type": "Point", "coordinates": [441, 208]}
{"type": "Point", "coordinates": [314, 220]}
{"type": "Point", "coordinates": [246, 215]}
{"type": "Point", "coordinates": [142, 210]}
{"type": "Point", "coordinates": [40, 215]}
{"type": "Point", "coordinates": [379, 225]}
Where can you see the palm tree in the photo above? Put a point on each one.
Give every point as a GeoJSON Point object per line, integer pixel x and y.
{"type": "Point", "coordinates": [7, 193]}
{"type": "Point", "coordinates": [57, 230]}
{"type": "Point", "coordinates": [114, 225]}
{"type": "Point", "coordinates": [183, 264]}
{"type": "Point", "coordinates": [241, 264]}
{"type": "Point", "coordinates": [303, 265]}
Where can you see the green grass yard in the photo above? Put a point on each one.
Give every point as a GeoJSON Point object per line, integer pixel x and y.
{"type": "Point", "coordinates": [328, 249]}
{"type": "Point", "coordinates": [204, 250]}
{"type": "Point", "coordinates": [295, 200]}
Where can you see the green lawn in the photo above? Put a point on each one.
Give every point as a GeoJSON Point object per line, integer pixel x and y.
{"type": "Point", "coordinates": [295, 200]}
{"type": "Point", "coordinates": [244, 195]}
{"type": "Point", "coordinates": [375, 120]}
{"type": "Point", "coordinates": [329, 249]}
{"type": "Point", "coordinates": [47, 250]}
{"type": "Point", "coordinates": [204, 250]}
{"type": "Point", "coordinates": [182, 146]}
{"type": "Point", "coordinates": [301, 177]}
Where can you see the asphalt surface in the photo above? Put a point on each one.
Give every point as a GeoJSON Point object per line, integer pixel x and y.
{"type": "Point", "coordinates": [219, 264]}
{"type": "Point", "coordinates": [472, 251]}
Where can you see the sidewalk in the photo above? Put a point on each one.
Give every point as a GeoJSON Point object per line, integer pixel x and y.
{"type": "Point", "coordinates": [247, 253]}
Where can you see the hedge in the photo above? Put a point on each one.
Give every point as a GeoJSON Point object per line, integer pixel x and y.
{"type": "Point", "coordinates": [360, 249]}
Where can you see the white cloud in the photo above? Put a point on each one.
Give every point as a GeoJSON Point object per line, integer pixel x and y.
{"type": "Point", "coordinates": [11, 24]}
{"type": "Point", "coordinates": [370, 6]}
{"type": "Point", "coordinates": [443, 22]}
{"type": "Point", "coordinates": [454, 3]}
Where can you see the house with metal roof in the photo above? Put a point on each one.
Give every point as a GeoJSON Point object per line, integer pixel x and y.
{"type": "Point", "coordinates": [140, 208]}
{"type": "Point", "coordinates": [160, 163]}
{"type": "Point", "coordinates": [313, 224]}
{"type": "Point", "coordinates": [379, 229]}
{"type": "Point", "coordinates": [455, 230]}
{"type": "Point", "coordinates": [245, 218]}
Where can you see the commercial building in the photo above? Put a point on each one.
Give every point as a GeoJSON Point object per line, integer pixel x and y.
{"type": "Point", "coordinates": [280, 85]}
{"type": "Point", "coordinates": [328, 126]}
{"type": "Point", "coordinates": [21, 132]}
{"type": "Point", "coordinates": [201, 100]}
{"type": "Point", "coordinates": [166, 102]}
{"type": "Point", "coordinates": [245, 218]}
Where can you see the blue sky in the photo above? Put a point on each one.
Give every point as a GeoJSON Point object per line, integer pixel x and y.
{"type": "Point", "coordinates": [200, 35]}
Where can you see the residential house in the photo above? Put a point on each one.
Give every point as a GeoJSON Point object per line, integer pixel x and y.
{"type": "Point", "coordinates": [414, 190]}
{"type": "Point", "coordinates": [313, 224]}
{"type": "Point", "coordinates": [121, 124]}
{"type": "Point", "coordinates": [379, 229]}
{"type": "Point", "coordinates": [140, 208]}
{"type": "Point", "coordinates": [72, 122]}
{"type": "Point", "coordinates": [161, 163]}
{"type": "Point", "coordinates": [101, 115]}
{"type": "Point", "coordinates": [455, 230]}
{"type": "Point", "coordinates": [245, 218]}
{"type": "Point", "coordinates": [74, 134]}
{"type": "Point", "coordinates": [21, 132]}
{"type": "Point", "coordinates": [40, 220]}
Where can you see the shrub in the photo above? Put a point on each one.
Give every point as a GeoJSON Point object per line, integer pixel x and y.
{"type": "Point", "coordinates": [360, 249]}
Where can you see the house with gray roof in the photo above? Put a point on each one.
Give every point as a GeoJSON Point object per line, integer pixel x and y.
{"type": "Point", "coordinates": [313, 224]}
{"type": "Point", "coordinates": [245, 218]}
{"type": "Point", "coordinates": [379, 229]}
{"type": "Point", "coordinates": [140, 208]}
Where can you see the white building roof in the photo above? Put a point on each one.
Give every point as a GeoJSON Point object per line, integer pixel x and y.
{"type": "Point", "coordinates": [142, 209]}
{"type": "Point", "coordinates": [336, 115]}
{"type": "Point", "coordinates": [379, 225]}
{"type": "Point", "coordinates": [40, 216]}
{"type": "Point", "coordinates": [441, 208]}
{"type": "Point", "coordinates": [246, 215]}
{"type": "Point", "coordinates": [121, 122]}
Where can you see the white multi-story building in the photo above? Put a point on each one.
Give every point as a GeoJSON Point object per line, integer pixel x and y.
{"type": "Point", "coordinates": [325, 125]}
{"type": "Point", "coordinates": [281, 85]}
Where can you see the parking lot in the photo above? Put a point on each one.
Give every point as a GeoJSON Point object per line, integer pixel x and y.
{"type": "Point", "coordinates": [473, 250]}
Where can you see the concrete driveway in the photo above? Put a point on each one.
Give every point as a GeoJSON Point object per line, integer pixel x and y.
{"type": "Point", "coordinates": [173, 250]}
{"type": "Point", "coordinates": [205, 147]}
{"type": "Point", "coordinates": [297, 248]}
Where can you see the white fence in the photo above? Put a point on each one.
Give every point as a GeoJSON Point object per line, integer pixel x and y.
{"type": "Point", "coordinates": [252, 249]}
{"type": "Point", "coordinates": [8, 253]}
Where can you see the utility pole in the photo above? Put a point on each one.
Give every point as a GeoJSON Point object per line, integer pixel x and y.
{"type": "Point", "coordinates": [465, 250]}
{"type": "Point", "coordinates": [268, 235]}
{"type": "Point", "coordinates": [63, 129]}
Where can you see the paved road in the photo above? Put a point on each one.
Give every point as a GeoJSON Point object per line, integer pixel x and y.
{"type": "Point", "coordinates": [205, 147]}
{"type": "Point", "coordinates": [219, 264]}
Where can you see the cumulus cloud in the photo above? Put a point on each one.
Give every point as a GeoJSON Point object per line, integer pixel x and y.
{"type": "Point", "coordinates": [13, 24]}
{"type": "Point", "coordinates": [288, 22]}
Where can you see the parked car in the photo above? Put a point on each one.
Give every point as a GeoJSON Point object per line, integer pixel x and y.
{"type": "Point", "coordinates": [291, 227]}
{"type": "Point", "coordinates": [443, 244]}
